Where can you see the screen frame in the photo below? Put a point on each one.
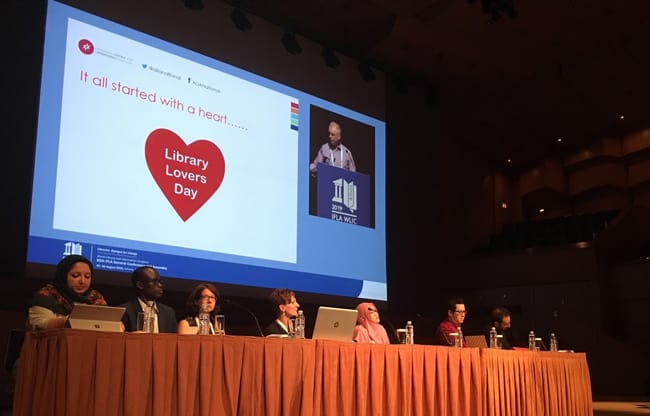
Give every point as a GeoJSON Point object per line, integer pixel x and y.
{"type": "Point", "coordinates": [36, 270]}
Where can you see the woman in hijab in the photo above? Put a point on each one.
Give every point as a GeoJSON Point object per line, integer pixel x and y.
{"type": "Point", "coordinates": [368, 329]}
{"type": "Point", "coordinates": [52, 304]}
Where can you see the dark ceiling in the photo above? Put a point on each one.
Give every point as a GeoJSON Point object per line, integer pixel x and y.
{"type": "Point", "coordinates": [510, 88]}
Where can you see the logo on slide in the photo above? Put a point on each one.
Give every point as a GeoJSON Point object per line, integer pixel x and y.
{"type": "Point", "coordinates": [188, 175]}
{"type": "Point", "coordinates": [86, 47]}
{"type": "Point", "coordinates": [345, 193]}
{"type": "Point", "coordinates": [72, 248]}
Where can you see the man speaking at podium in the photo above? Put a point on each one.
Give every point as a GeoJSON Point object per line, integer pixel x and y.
{"type": "Point", "coordinates": [333, 153]}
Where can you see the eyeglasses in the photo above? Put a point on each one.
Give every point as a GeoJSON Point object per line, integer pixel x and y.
{"type": "Point", "coordinates": [372, 310]}
{"type": "Point", "coordinates": [461, 312]}
{"type": "Point", "coordinates": [207, 297]}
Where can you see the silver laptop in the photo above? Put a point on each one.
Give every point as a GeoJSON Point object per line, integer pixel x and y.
{"type": "Point", "coordinates": [335, 323]}
{"type": "Point", "coordinates": [96, 317]}
{"type": "Point", "coordinates": [476, 341]}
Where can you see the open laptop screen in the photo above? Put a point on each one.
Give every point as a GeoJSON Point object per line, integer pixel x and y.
{"type": "Point", "coordinates": [335, 323]}
{"type": "Point", "coordinates": [476, 341]}
{"type": "Point", "coordinates": [96, 317]}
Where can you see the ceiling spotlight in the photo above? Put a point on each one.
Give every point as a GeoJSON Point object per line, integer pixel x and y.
{"type": "Point", "coordinates": [290, 43]}
{"type": "Point", "coordinates": [330, 58]}
{"type": "Point", "coordinates": [366, 71]}
{"type": "Point", "coordinates": [194, 4]}
{"type": "Point", "coordinates": [240, 20]}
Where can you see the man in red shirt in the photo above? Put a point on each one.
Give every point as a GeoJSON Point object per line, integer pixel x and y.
{"type": "Point", "coordinates": [456, 313]}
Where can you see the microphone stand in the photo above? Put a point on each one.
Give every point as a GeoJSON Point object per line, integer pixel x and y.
{"type": "Point", "coordinates": [391, 331]}
{"type": "Point", "coordinates": [247, 310]}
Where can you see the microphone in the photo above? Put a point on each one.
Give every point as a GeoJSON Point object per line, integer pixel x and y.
{"type": "Point", "coordinates": [391, 331]}
{"type": "Point", "coordinates": [247, 310]}
{"type": "Point", "coordinates": [425, 319]}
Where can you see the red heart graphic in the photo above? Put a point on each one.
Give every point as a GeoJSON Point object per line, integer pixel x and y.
{"type": "Point", "coordinates": [187, 175]}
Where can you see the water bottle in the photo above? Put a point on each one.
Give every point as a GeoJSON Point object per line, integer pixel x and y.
{"type": "Point", "coordinates": [460, 338]}
{"type": "Point", "coordinates": [204, 320]}
{"type": "Point", "coordinates": [410, 333]}
{"type": "Point", "coordinates": [531, 341]}
{"type": "Point", "coordinates": [493, 338]}
{"type": "Point", "coordinates": [300, 325]}
{"type": "Point", "coordinates": [553, 342]}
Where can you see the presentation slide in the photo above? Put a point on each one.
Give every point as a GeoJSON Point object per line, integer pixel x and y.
{"type": "Point", "coordinates": [150, 154]}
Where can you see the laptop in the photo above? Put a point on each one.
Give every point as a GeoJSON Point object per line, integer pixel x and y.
{"type": "Point", "coordinates": [476, 341]}
{"type": "Point", "coordinates": [335, 324]}
{"type": "Point", "coordinates": [96, 317]}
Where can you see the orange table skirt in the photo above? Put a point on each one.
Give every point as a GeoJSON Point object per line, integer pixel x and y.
{"type": "Point", "coordinates": [73, 372]}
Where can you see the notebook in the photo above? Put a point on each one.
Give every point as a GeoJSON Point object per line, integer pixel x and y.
{"type": "Point", "coordinates": [335, 323]}
{"type": "Point", "coordinates": [476, 341]}
{"type": "Point", "coordinates": [96, 317]}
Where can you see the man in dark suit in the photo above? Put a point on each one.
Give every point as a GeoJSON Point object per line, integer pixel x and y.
{"type": "Point", "coordinates": [149, 286]}
{"type": "Point", "coordinates": [500, 317]}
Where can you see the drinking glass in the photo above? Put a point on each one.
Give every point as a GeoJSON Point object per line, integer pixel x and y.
{"type": "Point", "coordinates": [456, 338]}
{"type": "Point", "coordinates": [142, 325]}
{"type": "Point", "coordinates": [220, 325]}
{"type": "Point", "coordinates": [401, 335]}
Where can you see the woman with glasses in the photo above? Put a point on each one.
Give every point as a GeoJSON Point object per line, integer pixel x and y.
{"type": "Point", "coordinates": [285, 306]}
{"type": "Point", "coordinates": [368, 329]}
{"type": "Point", "coordinates": [456, 313]}
{"type": "Point", "coordinates": [203, 294]}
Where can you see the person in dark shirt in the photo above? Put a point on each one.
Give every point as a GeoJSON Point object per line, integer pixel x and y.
{"type": "Point", "coordinates": [284, 303]}
{"type": "Point", "coordinates": [500, 318]}
{"type": "Point", "coordinates": [149, 287]}
{"type": "Point", "coordinates": [203, 293]}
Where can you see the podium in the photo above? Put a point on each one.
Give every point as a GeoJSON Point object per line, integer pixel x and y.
{"type": "Point", "coordinates": [343, 195]}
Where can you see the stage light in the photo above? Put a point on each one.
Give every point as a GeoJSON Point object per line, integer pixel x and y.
{"type": "Point", "coordinates": [366, 71]}
{"type": "Point", "coordinates": [290, 43]}
{"type": "Point", "coordinates": [330, 58]}
{"type": "Point", "coordinates": [240, 20]}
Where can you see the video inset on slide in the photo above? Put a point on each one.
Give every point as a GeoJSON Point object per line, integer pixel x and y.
{"type": "Point", "coordinates": [341, 168]}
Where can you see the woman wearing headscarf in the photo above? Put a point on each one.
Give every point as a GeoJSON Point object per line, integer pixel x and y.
{"type": "Point", "coordinates": [52, 304]}
{"type": "Point", "coordinates": [368, 329]}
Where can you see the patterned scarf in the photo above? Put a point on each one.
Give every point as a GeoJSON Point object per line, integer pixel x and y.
{"type": "Point", "coordinates": [58, 297]}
